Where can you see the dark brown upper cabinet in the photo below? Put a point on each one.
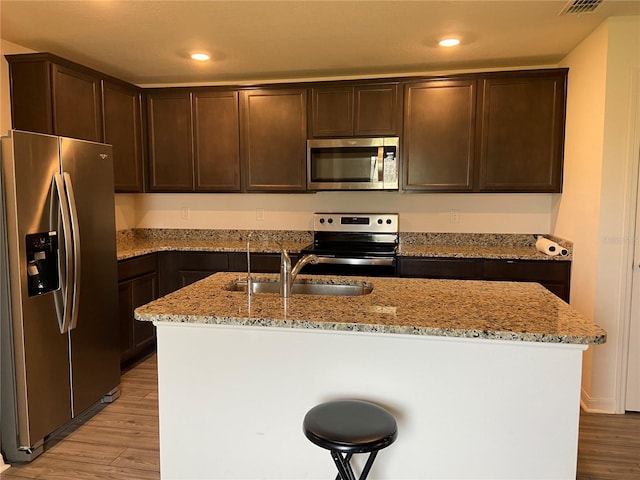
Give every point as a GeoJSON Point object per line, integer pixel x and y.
{"type": "Point", "coordinates": [50, 95]}
{"type": "Point", "coordinates": [193, 141]}
{"type": "Point", "coordinates": [122, 123]}
{"type": "Point", "coordinates": [439, 135]}
{"type": "Point", "coordinates": [54, 96]}
{"type": "Point", "coordinates": [479, 132]}
{"type": "Point", "coordinates": [273, 138]}
{"type": "Point", "coordinates": [521, 131]}
{"type": "Point", "coordinates": [216, 139]}
{"type": "Point", "coordinates": [170, 141]}
{"type": "Point", "coordinates": [493, 132]}
{"type": "Point", "coordinates": [360, 110]}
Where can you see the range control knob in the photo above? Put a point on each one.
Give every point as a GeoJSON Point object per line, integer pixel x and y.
{"type": "Point", "coordinates": [379, 221]}
{"type": "Point", "coordinates": [388, 221]}
{"type": "Point", "coordinates": [330, 220]}
{"type": "Point", "coordinates": [322, 220]}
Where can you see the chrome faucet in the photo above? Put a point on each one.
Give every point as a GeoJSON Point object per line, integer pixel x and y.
{"type": "Point", "coordinates": [287, 274]}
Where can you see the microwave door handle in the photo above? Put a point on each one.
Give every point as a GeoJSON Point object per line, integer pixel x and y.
{"type": "Point", "coordinates": [63, 298]}
{"type": "Point", "coordinates": [380, 164]}
{"type": "Point", "coordinates": [374, 168]}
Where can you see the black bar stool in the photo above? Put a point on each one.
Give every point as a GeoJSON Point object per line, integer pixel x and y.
{"type": "Point", "coordinates": [346, 427]}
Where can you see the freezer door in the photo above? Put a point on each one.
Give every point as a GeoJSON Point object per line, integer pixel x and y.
{"type": "Point", "coordinates": [95, 354]}
{"type": "Point", "coordinates": [37, 381]}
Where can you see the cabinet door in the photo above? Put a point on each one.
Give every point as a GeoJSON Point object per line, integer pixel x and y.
{"type": "Point", "coordinates": [170, 142]}
{"type": "Point", "coordinates": [260, 262]}
{"type": "Point", "coordinates": [376, 110]}
{"type": "Point", "coordinates": [216, 141]}
{"type": "Point", "coordinates": [362, 110]}
{"type": "Point", "coordinates": [439, 135]}
{"type": "Point", "coordinates": [125, 320]}
{"type": "Point", "coordinates": [144, 290]}
{"type": "Point", "coordinates": [332, 112]}
{"type": "Point", "coordinates": [31, 106]}
{"type": "Point", "coordinates": [135, 336]}
{"type": "Point", "coordinates": [522, 133]}
{"type": "Point", "coordinates": [452, 268]}
{"type": "Point", "coordinates": [122, 129]}
{"type": "Point", "coordinates": [179, 269]}
{"type": "Point", "coordinates": [76, 104]}
{"type": "Point", "coordinates": [554, 275]}
{"type": "Point", "coordinates": [273, 139]}
{"type": "Point", "coordinates": [137, 285]}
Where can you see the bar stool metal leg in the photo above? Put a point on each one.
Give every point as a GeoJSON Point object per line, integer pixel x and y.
{"type": "Point", "coordinates": [344, 467]}
{"type": "Point", "coordinates": [345, 472]}
{"type": "Point", "coordinates": [347, 459]}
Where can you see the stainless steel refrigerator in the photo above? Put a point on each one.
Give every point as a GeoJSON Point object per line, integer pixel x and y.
{"type": "Point", "coordinates": [59, 327]}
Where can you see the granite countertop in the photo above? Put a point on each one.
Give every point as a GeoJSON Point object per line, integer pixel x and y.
{"type": "Point", "coordinates": [144, 247]}
{"type": "Point", "coordinates": [144, 241]}
{"type": "Point", "coordinates": [449, 308]}
{"type": "Point", "coordinates": [491, 246]}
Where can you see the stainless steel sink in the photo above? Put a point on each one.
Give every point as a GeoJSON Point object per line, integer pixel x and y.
{"type": "Point", "coordinates": [304, 287]}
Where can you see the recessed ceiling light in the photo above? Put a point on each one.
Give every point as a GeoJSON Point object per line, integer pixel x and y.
{"type": "Point", "coordinates": [449, 42]}
{"type": "Point", "coordinates": [201, 57]}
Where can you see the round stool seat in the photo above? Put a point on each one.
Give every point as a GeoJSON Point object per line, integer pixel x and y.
{"type": "Point", "coordinates": [350, 426]}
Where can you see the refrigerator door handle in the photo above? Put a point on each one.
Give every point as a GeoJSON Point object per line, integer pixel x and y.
{"type": "Point", "coordinates": [64, 310]}
{"type": "Point", "coordinates": [73, 210]}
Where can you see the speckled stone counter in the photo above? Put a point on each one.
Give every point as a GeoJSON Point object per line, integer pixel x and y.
{"type": "Point", "coordinates": [132, 243]}
{"type": "Point", "coordinates": [477, 245]}
{"type": "Point", "coordinates": [449, 308]}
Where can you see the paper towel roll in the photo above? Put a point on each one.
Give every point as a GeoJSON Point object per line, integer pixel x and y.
{"type": "Point", "coordinates": [548, 247]}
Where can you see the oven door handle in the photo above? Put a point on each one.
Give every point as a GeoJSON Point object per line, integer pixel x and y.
{"type": "Point", "coordinates": [356, 261]}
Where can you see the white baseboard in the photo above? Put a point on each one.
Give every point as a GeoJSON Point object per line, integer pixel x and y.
{"type": "Point", "coordinates": [597, 405]}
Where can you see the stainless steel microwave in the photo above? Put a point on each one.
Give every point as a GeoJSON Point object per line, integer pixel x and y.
{"type": "Point", "coordinates": [353, 164]}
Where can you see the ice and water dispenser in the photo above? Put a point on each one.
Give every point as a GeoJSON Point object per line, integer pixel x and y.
{"type": "Point", "coordinates": [42, 262]}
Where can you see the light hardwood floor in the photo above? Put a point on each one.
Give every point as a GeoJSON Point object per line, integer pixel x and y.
{"type": "Point", "coordinates": [121, 441]}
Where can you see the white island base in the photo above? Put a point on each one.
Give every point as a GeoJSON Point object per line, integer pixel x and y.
{"type": "Point", "coordinates": [232, 401]}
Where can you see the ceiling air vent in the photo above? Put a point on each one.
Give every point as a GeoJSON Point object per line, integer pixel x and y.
{"type": "Point", "coordinates": [576, 7]}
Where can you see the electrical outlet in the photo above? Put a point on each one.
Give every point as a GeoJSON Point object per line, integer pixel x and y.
{"type": "Point", "coordinates": [260, 214]}
{"type": "Point", "coordinates": [185, 213]}
{"type": "Point", "coordinates": [454, 216]}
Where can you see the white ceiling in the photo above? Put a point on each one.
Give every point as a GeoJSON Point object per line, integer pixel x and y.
{"type": "Point", "coordinates": [148, 42]}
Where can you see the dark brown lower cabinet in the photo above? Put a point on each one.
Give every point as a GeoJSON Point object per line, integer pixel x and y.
{"type": "Point", "coordinates": [260, 262]}
{"type": "Point", "coordinates": [446, 268]}
{"type": "Point", "coordinates": [137, 285]}
{"type": "Point", "coordinates": [555, 276]}
{"type": "Point", "coordinates": [179, 269]}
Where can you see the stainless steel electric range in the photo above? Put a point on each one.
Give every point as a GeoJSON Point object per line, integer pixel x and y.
{"type": "Point", "coordinates": [354, 244]}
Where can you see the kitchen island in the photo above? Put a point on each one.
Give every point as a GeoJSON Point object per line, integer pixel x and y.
{"type": "Point", "coordinates": [482, 377]}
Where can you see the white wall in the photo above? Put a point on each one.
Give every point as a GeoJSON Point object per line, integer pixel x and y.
{"type": "Point", "coordinates": [598, 194]}
{"type": "Point", "coordinates": [577, 209]}
{"type": "Point", "coordinates": [499, 213]}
